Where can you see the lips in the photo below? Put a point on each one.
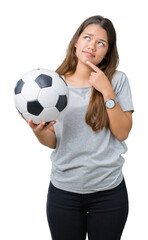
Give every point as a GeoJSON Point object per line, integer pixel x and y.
{"type": "Point", "coordinates": [89, 54]}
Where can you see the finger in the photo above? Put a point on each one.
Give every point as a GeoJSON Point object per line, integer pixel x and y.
{"type": "Point", "coordinates": [96, 69]}
{"type": "Point", "coordinates": [41, 126]}
{"type": "Point", "coordinates": [50, 124]}
{"type": "Point", "coordinates": [31, 124]}
{"type": "Point", "coordinates": [94, 74]}
{"type": "Point", "coordinates": [91, 78]}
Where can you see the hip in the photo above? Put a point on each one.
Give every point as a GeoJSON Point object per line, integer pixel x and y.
{"type": "Point", "coordinates": [108, 200]}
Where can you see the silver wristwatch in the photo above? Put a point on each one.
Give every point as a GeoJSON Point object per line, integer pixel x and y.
{"type": "Point", "coordinates": [111, 103]}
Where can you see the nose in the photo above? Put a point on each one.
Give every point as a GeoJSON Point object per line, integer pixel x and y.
{"type": "Point", "coordinates": [92, 46]}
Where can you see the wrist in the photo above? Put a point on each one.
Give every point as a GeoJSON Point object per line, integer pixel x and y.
{"type": "Point", "coordinates": [109, 93]}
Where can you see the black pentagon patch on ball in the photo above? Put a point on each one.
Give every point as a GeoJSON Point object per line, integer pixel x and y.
{"type": "Point", "coordinates": [62, 102]}
{"type": "Point", "coordinates": [34, 107]}
{"type": "Point", "coordinates": [44, 80]}
{"type": "Point", "coordinates": [18, 87]}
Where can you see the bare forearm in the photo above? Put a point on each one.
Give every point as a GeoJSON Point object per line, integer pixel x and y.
{"type": "Point", "coordinates": [45, 134]}
{"type": "Point", "coordinates": [119, 121]}
{"type": "Point", "coordinates": [47, 138]}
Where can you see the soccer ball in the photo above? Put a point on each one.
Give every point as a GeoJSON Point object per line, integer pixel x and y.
{"type": "Point", "coordinates": [41, 95]}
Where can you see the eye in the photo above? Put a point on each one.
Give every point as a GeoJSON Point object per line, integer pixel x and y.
{"type": "Point", "coordinates": [100, 44]}
{"type": "Point", "coordinates": [87, 37]}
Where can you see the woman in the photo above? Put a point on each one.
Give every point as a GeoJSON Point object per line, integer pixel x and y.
{"type": "Point", "coordinates": [87, 192]}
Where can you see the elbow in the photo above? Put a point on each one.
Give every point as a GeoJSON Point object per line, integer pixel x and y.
{"type": "Point", "coordinates": [122, 137]}
{"type": "Point", "coordinates": [121, 133]}
{"type": "Point", "coordinates": [52, 147]}
{"type": "Point", "coordinates": [46, 144]}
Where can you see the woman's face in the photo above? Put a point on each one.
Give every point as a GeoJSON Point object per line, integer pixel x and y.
{"type": "Point", "coordinates": [92, 44]}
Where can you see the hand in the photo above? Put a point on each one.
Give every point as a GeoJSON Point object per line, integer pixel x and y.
{"type": "Point", "coordinates": [45, 133]}
{"type": "Point", "coordinates": [99, 80]}
{"type": "Point", "coordinates": [40, 127]}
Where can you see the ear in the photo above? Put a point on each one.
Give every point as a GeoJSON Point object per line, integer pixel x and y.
{"type": "Point", "coordinates": [76, 44]}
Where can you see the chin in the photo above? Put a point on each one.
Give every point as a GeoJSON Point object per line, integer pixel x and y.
{"type": "Point", "coordinates": [90, 59]}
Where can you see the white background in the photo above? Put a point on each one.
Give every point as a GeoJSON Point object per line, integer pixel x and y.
{"type": "Point", "coordinates": [35, 33]}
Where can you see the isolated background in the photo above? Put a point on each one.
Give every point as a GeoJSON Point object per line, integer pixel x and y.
{"type": "Point", "coordinates": [36, 33]}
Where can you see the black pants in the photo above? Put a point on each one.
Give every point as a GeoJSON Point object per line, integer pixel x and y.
{"type": "Point", "coordinates": [102, 214]}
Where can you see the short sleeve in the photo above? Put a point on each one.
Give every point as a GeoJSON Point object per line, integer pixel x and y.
{"type": "Point", "coordinates": [122, 90]}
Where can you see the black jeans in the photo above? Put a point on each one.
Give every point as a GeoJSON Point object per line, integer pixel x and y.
{"type": "Point", "coordinates": [101, 214]}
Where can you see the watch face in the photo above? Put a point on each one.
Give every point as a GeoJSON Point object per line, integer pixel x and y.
{"type": "Point", "coordinates": [110, 103]}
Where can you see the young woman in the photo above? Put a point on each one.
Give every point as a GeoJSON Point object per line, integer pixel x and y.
{"type": "Point", "coordinates": [87, 192]}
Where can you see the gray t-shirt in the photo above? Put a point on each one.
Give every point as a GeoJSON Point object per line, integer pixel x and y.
{"type": "Point", "coordinates": [85, 161]}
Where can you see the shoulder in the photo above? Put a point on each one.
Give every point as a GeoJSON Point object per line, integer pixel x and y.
{"type": "Point", "coordinates": [119, 80]}
{"type": "Point", "coordinates": [119, 76]}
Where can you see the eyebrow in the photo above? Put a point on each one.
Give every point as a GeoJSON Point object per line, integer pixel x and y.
{"type": "Point", "coordinates": [89, 34]}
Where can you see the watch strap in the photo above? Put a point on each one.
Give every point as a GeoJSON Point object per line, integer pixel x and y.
{"type": "Point", "coordinates": [116, 100]}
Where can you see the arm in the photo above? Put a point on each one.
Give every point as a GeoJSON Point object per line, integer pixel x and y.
{"type": "Point", "coordinates": [45, 134]}
{"type": "Point", "coordinates": [120, 122]}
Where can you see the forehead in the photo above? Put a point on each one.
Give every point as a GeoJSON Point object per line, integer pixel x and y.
{"type": "Point", "coordinates": [96, 30]}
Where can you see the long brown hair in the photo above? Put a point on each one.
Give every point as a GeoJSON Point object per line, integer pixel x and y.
{"type": "Point", "coordinates": [96, 115]}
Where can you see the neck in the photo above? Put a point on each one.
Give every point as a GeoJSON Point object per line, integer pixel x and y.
{"type": "Point", "coordinates": [80, 76]}
{"type": "Point", "coordinates": [82, 71]}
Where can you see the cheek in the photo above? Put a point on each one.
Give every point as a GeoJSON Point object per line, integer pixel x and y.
{"type": "Point", "coordinates": [106, 51]}
{"type": "Point", "coordinates": [80, 45]}
{"type": "Point", "coordinates": [100, 56]}
{"type": "Point", "coordinates": [102, 53]}
{"type": "Point", "coordinates": [79, 48]}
